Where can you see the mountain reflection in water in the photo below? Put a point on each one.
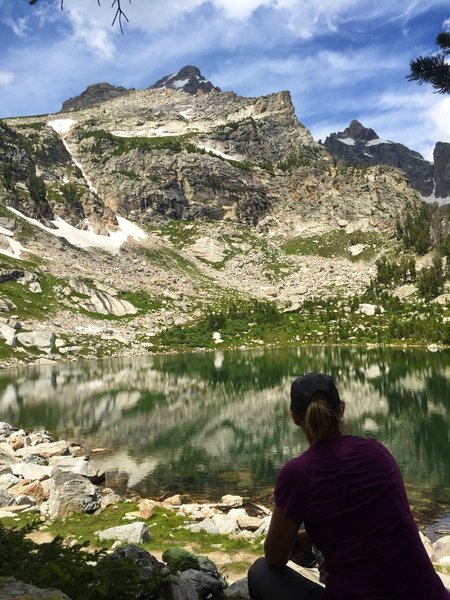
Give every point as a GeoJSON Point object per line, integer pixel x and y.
{"type": "Point", "coordinates": [214, 423]}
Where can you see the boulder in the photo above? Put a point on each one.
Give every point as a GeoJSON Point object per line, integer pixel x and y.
{"type": "Point", "coordinates": [32, 471]}
{"type": "Point", "coordinates": [232, 501]}
{"type": "Point", "coordinates": [39, 339]}
{"type": "Point", "coordinates": [77, 465]}
{"type": "Point", "coordinates": [7, 480]}
{"type": "Point", "coordinates": [8, 334]}
{"type": "Point", "coordinates": [12, 589]}
{"type": "Point", "coordinates": [206, 586]}
{"type": "Point", "coordinates": [441, 548]}
{"type": "Point", "coordinates": [6, 428]}
{"type": "Point", "coordinates": [250, 523]}
{"type": "Point", "coordinates": [237, 590]}
{"type": "Point", "coordinates": [32, 489]}
{"type": "Point", "coordinates": [72, 494]}
{"type": "Point", "coordinates": [181, 589]}
{"type": "Point", "coordinates": [45, 449]}
{"type": "Point", "coordinates": [134, 533]}
{"type": "Point", "coordinates": [6, 498]}
{"type": "Point", "coordinates": [147, 563]}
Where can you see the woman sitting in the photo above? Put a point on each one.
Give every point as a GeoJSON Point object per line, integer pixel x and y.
{"type": "Point", "coordinates": [350, 495]}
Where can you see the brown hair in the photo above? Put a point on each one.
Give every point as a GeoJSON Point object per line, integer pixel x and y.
{"type": "Point", "coordinates": [320, 419]}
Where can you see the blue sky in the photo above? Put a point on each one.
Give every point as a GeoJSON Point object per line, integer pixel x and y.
{"type": "Point", "coordinates": [340, 59]}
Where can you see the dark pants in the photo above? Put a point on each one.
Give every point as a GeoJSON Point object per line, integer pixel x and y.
{"type": "Point", "coordinates": [280, 583]}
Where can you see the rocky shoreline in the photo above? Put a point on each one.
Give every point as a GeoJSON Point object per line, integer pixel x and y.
{"type": "Point", "coordinates": [55, 479]}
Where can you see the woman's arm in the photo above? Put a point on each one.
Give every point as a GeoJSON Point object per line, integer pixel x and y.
{"type": "Point", "coordinates": [283, 539]}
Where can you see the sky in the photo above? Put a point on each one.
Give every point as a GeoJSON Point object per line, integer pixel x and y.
{"type": "Point", "coordinates": [340, 59]}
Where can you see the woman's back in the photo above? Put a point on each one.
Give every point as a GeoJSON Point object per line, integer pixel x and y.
{"type": "Point", "coordinates": [350, 495]}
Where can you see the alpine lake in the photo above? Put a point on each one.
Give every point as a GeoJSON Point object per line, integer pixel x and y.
{"type": "Point", "coordinates": [215, 423]}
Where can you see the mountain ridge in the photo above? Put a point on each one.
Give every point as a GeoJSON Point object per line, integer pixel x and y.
{"type": "Point", "coordinates": [143, 212]}
{"type": "Point", "coordinates": [361, 145]}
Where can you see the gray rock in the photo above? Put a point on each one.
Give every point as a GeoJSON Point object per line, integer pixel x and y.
{"type": "Point", "coordinates": [7, 480]}
{"type": "Point", "coordinates": [32, 471]}
{"type": "Point", "coordinates": [8, 334]}
{"type": "Point", "coordinates": [134, 533]}
{"type": "Point", "coordinates": [6, 305]}
{"type": "Point", "coordinates": [206, 586]}
{"type": "Point", "coordinates": [237, 591]}
{"type": "Point", "coordinates": [181, 589]}
{"type": "Point", "coordinates": [77, 465]}
{"type": "Point", "coordinates": [441, 547]}
{"type": "Point", "coordinates": [39, 339]}
{"type": "Point", "coordinates": [6, 428]}
{"type": "Point", "coordinates": [45, 449]}
{"type": "Point", "coordinates": [72, 494]}
{"type": "Point", "coordinates": [6, 498]}
{"type": "Point", "coordinates": [12, 589]}
{"type": "Point", "coordinates": [147, 563]}
{"type": "Point", "coordinates": [10, 275]}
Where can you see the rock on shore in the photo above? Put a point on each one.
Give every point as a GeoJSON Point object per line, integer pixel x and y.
{"type": "Point", "coordinates": [54, 478]}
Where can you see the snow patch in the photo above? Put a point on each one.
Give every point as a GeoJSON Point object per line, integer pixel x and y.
{"type": "Point", "coordinates": [431, 199]}
{"type": "Point", "coordinates": [61, 125]}
{"type": "Point", "coordinates": [89, 239]}
{"type": "Point", "coordinates": [347, 141]}
{"type": "Point", "coordinates": [179, 83]}
{"type": "Point", "coordinates": [151, 132]}
{"type": "Point", "coordinates": [186, 113]}
{"type": "Point", "coordinates": [15, 248]}
{"type": "Point", "coordinates": [217, 152]}
{"type": "Point", "coordinates": [377, 141]}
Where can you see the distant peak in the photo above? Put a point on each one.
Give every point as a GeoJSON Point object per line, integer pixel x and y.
{"type": "Point", "coordinates": [94, 94]}
{"type": "Point", "coordinates": [358, 132]}
{"type": "Point", "coordinates": [189, 79]}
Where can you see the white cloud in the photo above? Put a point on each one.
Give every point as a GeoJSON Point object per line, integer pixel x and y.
{"type": "Point", "coordinates": [446, 24]}
{"type": "Point", "coordinates": [6, 77]}
{"type": "Point", "coordinates": [87, 31]}
{"type": "Point", "coordinates": [19, 26]}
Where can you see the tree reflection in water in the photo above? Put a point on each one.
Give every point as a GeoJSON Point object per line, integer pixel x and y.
{"type": "Point", "coordinates": [214, 423]}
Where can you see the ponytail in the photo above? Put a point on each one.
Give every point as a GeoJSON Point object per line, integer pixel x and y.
{"type": "Point", "coordinates": [320, 419]}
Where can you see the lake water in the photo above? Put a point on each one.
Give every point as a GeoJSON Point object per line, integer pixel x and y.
{"type": "Point", "coordinates": [214, 423]}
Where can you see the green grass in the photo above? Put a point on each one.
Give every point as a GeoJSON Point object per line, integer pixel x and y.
{"type": "Point", "coordinates": [32, 305]}
{"type": "Point", "coordinates": [317, 321]}
{"type": "Point", "coordinates": [336, 244]}
{"type": "Point", "coordinates": [165, 527]}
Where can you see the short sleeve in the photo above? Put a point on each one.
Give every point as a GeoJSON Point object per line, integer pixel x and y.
{"type": "Point", "coordinates": [291, 490]}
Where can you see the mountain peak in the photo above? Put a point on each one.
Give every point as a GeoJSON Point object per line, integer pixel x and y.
{"type": "Point", "coordinates": [188, 79]}
{"type": "Point", "coordinates": [358, 132]}
{"type": "Point", "coordinates": [94, 94]}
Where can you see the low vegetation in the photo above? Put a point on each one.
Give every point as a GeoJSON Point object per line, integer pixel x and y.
{"type": "Point", "coordinates": [84, 570]}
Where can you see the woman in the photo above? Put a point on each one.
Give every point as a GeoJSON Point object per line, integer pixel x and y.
{"type": "Point", "coordinates": [349, 493]}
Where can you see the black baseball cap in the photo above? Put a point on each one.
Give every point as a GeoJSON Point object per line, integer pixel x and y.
{"type": "Point", "coordinates": [303, 388]}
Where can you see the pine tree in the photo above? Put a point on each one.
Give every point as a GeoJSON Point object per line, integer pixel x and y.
{"type": "Point", "coordinates": [434, 69]}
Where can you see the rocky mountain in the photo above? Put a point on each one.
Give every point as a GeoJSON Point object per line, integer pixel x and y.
{"type": "Point", "coordinates": [93, 94]}
{"type": "Point", "coordinates": [441, 158]}
{"type": "Point", "coordinates": [359, 145]}
{"type": "Point", "coordinates": [188, 79]}
{"type": "Point", "coordinates": [140, 212]}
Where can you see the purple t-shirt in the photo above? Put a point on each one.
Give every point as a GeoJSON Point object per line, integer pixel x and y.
{"type": "Point", "coordinates": [349, 493]}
